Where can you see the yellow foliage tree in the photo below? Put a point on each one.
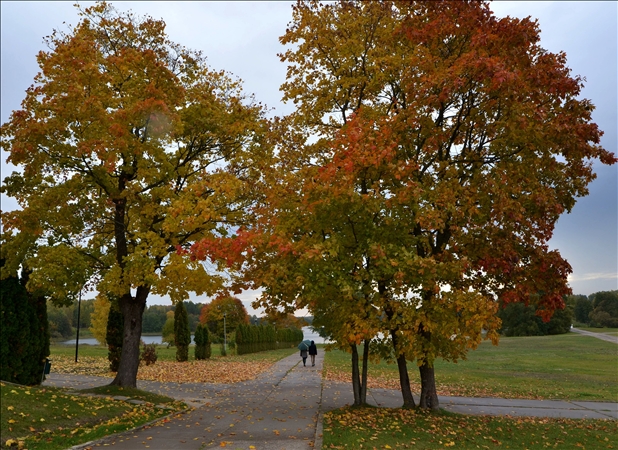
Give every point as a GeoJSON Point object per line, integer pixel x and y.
{"type": "Point", "coordinates": [129, 148]}
{"type": "Point", "coordinates": [98, 318]}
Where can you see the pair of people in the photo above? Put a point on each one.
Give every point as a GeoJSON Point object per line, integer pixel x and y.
{"type": "Point", "coordinates": [313, 351]}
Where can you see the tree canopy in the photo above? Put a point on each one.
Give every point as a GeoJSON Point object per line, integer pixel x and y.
{"type": "Point", "coordinates": [212, 315]}
{"type": "Point", "coordinates": [432, 150]}
{"type": "Point", "coordinates": [130, 148]}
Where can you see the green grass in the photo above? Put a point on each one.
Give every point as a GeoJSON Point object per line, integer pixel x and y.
{"type": "Point", "coordinates": [372, 428]}
{"type": "Point", "coordinates": [52, 418]}
{"type": "Point", "coordinates": [566, 366]}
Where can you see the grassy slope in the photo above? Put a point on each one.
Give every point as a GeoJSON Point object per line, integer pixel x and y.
{"type": "Point", "coordinates": [50, 418]}
{"type": "Point", "coordinates": [566, 366]}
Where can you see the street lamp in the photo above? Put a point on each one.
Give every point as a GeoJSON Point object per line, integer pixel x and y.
{"type": "Point", "coordinates": [79, 305]}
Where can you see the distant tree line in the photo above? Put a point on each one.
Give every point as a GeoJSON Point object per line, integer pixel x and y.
{"type": "Point", "coordinates": [519, 319]}
{"type": "Point", "coordinates": [63, 319]}
{"type": "Point", "coordinates": [597, 310]}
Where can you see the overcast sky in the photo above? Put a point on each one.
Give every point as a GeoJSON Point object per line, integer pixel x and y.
{"type": "Point", "coordinates": [242, 38]}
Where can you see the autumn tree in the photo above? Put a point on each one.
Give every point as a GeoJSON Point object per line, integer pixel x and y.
{"type": "Point", "coordinates": [98, 326]}
{"type": "Point", "coordinates": [432, 150]}
{"type": "Point", "coordinates": [212, 315]}
{"type": "Point", "coordinates": [130, 148]}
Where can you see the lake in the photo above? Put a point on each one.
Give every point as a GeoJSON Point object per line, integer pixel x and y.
{"type": "Point", "coordinates": [307, 334]}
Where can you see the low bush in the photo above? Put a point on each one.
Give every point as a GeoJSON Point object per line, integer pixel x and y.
{"type": "Point", "coordinates": [149, 353]}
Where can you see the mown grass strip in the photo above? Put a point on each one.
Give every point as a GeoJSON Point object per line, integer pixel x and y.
{"type": "Point", "coordinates": [381, 428]}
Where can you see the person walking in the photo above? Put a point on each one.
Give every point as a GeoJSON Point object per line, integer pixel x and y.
{"type": "Point", "coordinates": [303, 355]}
{"type": "Point", "coordinates": [313, 350]}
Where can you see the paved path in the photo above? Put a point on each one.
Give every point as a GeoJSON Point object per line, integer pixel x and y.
{"type": "Point", "coordinates": [280, 410]}
{"type": "Point", "coordinates": [604, 337]}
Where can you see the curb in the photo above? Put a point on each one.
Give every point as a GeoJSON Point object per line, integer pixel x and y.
{"type": "Point", "coordinates": [319, 428]}
{"type": "Point", "coordinates": [140, 427]}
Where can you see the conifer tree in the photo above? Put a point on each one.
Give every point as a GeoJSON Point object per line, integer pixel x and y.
{"type": "Point", "coordinates": [114, 338]}
{"type": "Point", "coordinates": [182, 334]}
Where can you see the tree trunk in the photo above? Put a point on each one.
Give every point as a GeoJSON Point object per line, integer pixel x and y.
{"type": "Point", "coordinates": [429, 396]}
{"type": "Point", "coordinates": [363, 387]}
{"type": "Point", "coordinates": [404, 379]}
{"type": "Point", "coordinates": [132, 311]}
{"type": "Point", "coordinates": [356, 385]}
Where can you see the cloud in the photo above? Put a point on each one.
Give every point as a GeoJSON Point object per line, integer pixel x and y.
{"type": "Point", "coordinates": [593, 276]}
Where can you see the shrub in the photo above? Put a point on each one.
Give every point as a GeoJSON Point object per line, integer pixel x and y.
{"type": "Point", "coordinates": [202, 342]}
{"type": "Point", "coordinates": [149, 353]}
{"type": "Point", "coordinates": [24, 340]}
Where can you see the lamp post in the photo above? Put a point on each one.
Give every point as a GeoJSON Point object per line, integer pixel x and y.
{"type": "Point", "coordinates": [79, 305]}
{"type": "Point", "coordinates": [224, 336]}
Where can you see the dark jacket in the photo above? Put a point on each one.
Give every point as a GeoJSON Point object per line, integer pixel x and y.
{"type": "Point", "coordinates": [313, 350]}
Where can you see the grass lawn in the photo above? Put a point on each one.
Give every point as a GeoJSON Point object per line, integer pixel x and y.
{"type": "Point", "coordinates": [48, 418]}
{"type": "Point", "coordinates": [373, 428]}
{"type": "Point", "coordinates": [567, 366]}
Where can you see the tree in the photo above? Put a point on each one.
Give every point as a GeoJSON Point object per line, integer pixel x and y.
{"type": "Point", "coordinates": [154, 318]}
{"type": "Point", "coordinates": [24, 336]}
{"type": "Point", "coordinates": [432, 150]}
{"type": "Point", "coordinates": [84, 309]}
{"type": "Point", "coordinates": [59, 324]}
{"type": "Point", "coordinates": [182, 333]}
{"type": "Point", "coordinates": [114, 334]}
{"type": "Point", "coordinates": [604, 309]}
{"type": "Point", "coordinates": [519, 319]}
{"type": "Point", "coordinates": [212, 315]}
{"type": "Point", "coordinates": [202, 342]}
{"type": "Point", "coordinates": [168, 329]}
{"type": "Point", "coordinates": [98, 318]}
{"type": "Point", "coordinates": [131, 148]}
{"type": "Point", "coordinates": [581, 307]}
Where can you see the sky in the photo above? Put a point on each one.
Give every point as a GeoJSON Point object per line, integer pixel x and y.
{"type": "Point", "coordinates": [243, 38]}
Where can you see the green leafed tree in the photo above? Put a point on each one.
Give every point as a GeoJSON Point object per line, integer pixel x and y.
{"type": "Point", "coordinates": [168, 329]}
{"type": "Point", "coordinates": [519, 319]}
{"type": "Point", "coordinates": [130, 148]}
{"type": "Point", "coordinates": [202, 342]}
{"type": "Point", "coordinates": [24, 333]}
{"type": "Point", "coordinates": [114, 331]}
{"type": "Point", "coordinates": [182, 333]}
{"type": "Point", "coordinates": [604, 311]}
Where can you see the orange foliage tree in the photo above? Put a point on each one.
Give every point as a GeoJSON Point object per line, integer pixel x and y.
{"type": "Point", "coordinates": [432, 150]}
{"type": "Point", "coordinates": [131, 149]}
{"type": "Point", "coordinates": [212, 315]}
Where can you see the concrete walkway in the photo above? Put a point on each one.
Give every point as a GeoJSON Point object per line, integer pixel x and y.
{"type": "Point", "coordinates": [282, 408]}
{"type": "Point", "coordinates": [603, 337]}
